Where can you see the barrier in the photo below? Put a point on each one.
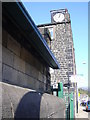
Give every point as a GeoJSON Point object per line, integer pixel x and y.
{"type": "Point", "coordinates": [21, 102]}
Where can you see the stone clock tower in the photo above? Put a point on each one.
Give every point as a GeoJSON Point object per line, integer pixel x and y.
{"type": "Point", "coordinates": [61, 45]}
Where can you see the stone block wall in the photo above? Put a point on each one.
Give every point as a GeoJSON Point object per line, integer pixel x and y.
{"type": "Point", "coordinates": [22, 68]}
{"type": "Point", "coordinates": [46, 35]}
{"type": "Point", "coordinates": [62, 47]}
{"type": "Point", "coordinates": [29, 104]}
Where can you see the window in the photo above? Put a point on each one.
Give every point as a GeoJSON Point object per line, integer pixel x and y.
{"type": "Point", "coordinates": [51, 32]}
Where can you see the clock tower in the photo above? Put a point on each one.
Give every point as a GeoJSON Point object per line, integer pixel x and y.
{"type": "Point", "coordinates": [62, 47]}
{"type": "Point", "coordinates": [61, 44]}
{"type": "Point", "coordinates": [60, 15]}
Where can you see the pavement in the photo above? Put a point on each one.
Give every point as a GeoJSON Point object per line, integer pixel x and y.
{"type": "Point", "coordinates": [82, 113]}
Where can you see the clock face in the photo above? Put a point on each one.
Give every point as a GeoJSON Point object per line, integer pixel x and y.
{"type": "Point", "coordinates": [58, 17]}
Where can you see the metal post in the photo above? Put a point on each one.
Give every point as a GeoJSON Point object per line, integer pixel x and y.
{"type": "Point", "coordinates": [76, 98]}
{"type": "Point", "coordinates": [68, 99]}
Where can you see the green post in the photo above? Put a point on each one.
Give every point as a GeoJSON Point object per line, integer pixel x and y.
{"type": "Point", "coordinates": [71, 107]}
{"type": "Point", "coordinates": [60, 90]}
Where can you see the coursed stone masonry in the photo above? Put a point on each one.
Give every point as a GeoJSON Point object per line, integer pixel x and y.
{"type": "Point", "coordinates": [63, 48]}
{"type": "Point", "coordinates": [20, 67]}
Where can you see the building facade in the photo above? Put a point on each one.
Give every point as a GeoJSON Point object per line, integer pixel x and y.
{"type": "Point", "coordinates": [24, 64]}
{"type": "Point", "coordinates": [61, 45]}
{"type": "Point", "coordinates": [25, 59]}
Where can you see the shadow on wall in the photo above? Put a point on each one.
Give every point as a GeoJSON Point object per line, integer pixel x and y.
{"type": "Point", "coordinates": [25, 103]}
{"type": "Point", "coordinates": [29, 106]}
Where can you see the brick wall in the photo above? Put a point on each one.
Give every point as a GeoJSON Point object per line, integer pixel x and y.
{"type": "Point", "coordinates": [20, 67]}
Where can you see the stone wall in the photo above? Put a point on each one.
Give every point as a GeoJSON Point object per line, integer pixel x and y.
{"type": "Point", "coordinates": [26, 103]}
{"type": "Point", "coordinates": [22, 68]}
{"type": "Point", "coordinates": [46, 35]}
{"type": "Point", "coordinates": [62, 47]}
